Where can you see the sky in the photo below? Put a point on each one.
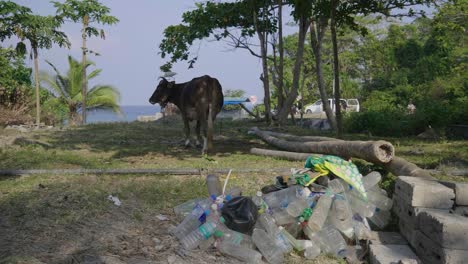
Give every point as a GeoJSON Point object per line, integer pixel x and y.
{"type": "Point", "coordinates": [129, 55]}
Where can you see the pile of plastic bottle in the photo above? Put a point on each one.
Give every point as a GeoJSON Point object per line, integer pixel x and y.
{"type": "Point", "coordinates": [331, 218]}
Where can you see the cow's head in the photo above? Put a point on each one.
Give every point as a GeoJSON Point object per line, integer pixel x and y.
{"type": "Point", "coordinates": [162, 92]}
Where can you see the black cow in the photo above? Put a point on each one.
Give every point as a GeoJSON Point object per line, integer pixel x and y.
{"type": "Point", "coordinates": [200, 99]}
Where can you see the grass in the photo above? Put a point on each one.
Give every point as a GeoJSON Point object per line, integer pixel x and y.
{"type": "Point", "coordinates": [53, 210]}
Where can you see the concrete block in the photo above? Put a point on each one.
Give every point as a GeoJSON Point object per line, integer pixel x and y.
{"type": "Point", "coordinates": [461, 191]}
{"type": "Point", "coordinates": [386, 254]}
{"type": "Point", "coordinates": [407, 212]}
{"type": "Point", "coordinates": [407, 230]}
{"type": "Point", "coordinates": [461, 210]}
{"type": "Point", "coordinates": [431, 253]}
{"type": "Point", "coordinates": [387, 238]}
{"type": "Point", "coordinates": [424, 193]}
{"type": "Point", "coordinates": [445, 229]}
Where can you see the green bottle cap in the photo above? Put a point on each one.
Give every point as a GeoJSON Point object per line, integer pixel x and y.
{"type": "Point", "coordinates": [218, 233]}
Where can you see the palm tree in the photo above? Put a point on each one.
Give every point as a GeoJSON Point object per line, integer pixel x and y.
{"type": "Point", "coordinates": [67, 90]}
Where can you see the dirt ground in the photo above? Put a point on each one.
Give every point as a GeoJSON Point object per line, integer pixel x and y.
{"type": "Point", "coordinates": [113, 237]}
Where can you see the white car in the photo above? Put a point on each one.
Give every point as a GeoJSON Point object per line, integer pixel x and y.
{"type": "Point", "coordinates": [351, 105]}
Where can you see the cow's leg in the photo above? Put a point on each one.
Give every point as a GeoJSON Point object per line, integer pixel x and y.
{"type": "Point", "coordinates": [197, 130]}
{"type": "Point", "coordinates": [187, 132]}
{"type": "Point", "coordinates": [204, 126]}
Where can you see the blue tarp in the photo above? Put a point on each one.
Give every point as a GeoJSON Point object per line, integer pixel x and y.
{"type": "Point", "coordinates": [235, 100]}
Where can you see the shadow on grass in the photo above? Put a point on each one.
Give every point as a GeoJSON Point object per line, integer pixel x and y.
{"type": "Point", "coordinates": [164, 137]}
{"type": "Point", "coordinates": [56, 219]}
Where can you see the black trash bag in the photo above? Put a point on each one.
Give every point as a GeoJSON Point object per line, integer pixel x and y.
{"type": "Point", "coordinates": [240, 214]}
{"type": "Point", "coordinates": [281, 183]}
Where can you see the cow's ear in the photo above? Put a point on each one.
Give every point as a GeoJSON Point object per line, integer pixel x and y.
{"type": "Point", "coordinates": [170, 84]}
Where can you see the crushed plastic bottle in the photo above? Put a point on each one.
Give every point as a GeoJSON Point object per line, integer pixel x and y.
{"type": "Point", "coordinates": [296, 207]}
{"type": "Point", "coordinates": [241, 253]}
{"type": "Point", "coordinates": [282, 217]}
{"type": "Point", "coordinates": [197, 236]}
{"type": "Point", "coordinates": [267, 246]}
{"type": "Point", "coordinates": [283, 197]}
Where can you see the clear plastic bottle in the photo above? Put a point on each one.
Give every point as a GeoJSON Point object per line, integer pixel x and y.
{"type": "Point", "coordinates": [341, 216]}
{"type": "Point", "coordinates": [371, 180]}
{"type": "Point", "coordinates": [361, 231]}
{"type": "Point", "coordinates": [312, 249]}
{"type": "Point", "coordinates": [183, 209]}
{"type": "Point", "coordinates": [259, 202]}
{"type": "Point", "coordinates": [333, 242]}
{"type": "Point", "coordinates": [268, 223]}
{"type": "Point", "coordinates": [267, 246]}
{"type": "Point", "coordinates": [197, 236]}
{"type": "Point", "coordinates": [314, 237]}
{"type": "Point", "coordinates": [232, 236]}
{"type": "Point", "coordinates": [214, 185]}
{"type": "Point", "coordinates": [283, 197]}
{"type": "Point", "coordinates": [296, 207]}
{"type": "Point", "coordinates": [381, 201]}
{"type": "Point", "coordinates": [292, 240]}
{"type": "Point", "coordinates": [241, 253]}
{"type": "Point", "coordinates": [190, 223]}
{"type": "Point", "coordinates": [234, 191]}
{"type": "Point", "coordinates": [380, 218]}
{"type": "Point", "coordinates": [283, 242]}
{"type": "Point", "coordinates": [295, 229]}
{"type": "Point", "coordinates": [358, 205]}
{"type": "Point", "coordinates": [282, 217]}
{"type": "Point", "coordinates": [320, 213]}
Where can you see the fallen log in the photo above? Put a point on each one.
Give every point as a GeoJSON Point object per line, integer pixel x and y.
{"type": "Point", "coordinates": [372, 151]}
{"type": "Point", "coordinates": [398, 166]}
{"type": "Point", "coordinates": [290, 137]}
{"type": "Point", "coordinates": [165, 172]}
{"type": "Point", "coordinates": [401, 167]}
{"type": "Point", "coordinates": [281, 154]}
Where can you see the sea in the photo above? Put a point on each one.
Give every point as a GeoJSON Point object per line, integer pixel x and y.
{"type": "Point", "coordinates": [129, 114]}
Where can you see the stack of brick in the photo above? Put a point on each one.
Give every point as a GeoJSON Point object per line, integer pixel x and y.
{"type": "Point", "coordinates": [427, 219]}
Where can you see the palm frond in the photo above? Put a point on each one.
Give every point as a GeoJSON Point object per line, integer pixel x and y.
{"type": "Point", "coordinates": [61, 80]}
{"type": "Point", "coordinates": [104, 97]}
{"type": "Point", "coordinates": [94, 74]}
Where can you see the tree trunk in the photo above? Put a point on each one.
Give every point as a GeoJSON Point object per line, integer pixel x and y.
{"type": "Point", "coordinates": [265, 78]}
{"type": "Point", "coordinates": [291, 97]}
{"type": "Point", "coordinates": [281, 55]}
{"type": "Point", "coordinates": [378, 152]}
{"type": "Point", "coordinates": [316, 37]}
{"type": "Point", "coordinates": [84, 85]}
{"type": "Point", "coordinates": [336, 69]}
{"type": "Point", "coordinates": [256, 116]}
{"type": "Point", "coordinates": [36, 81]}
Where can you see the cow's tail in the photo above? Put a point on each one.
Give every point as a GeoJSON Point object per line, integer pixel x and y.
{"type": "Point", "coordinates": [209, 131]}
